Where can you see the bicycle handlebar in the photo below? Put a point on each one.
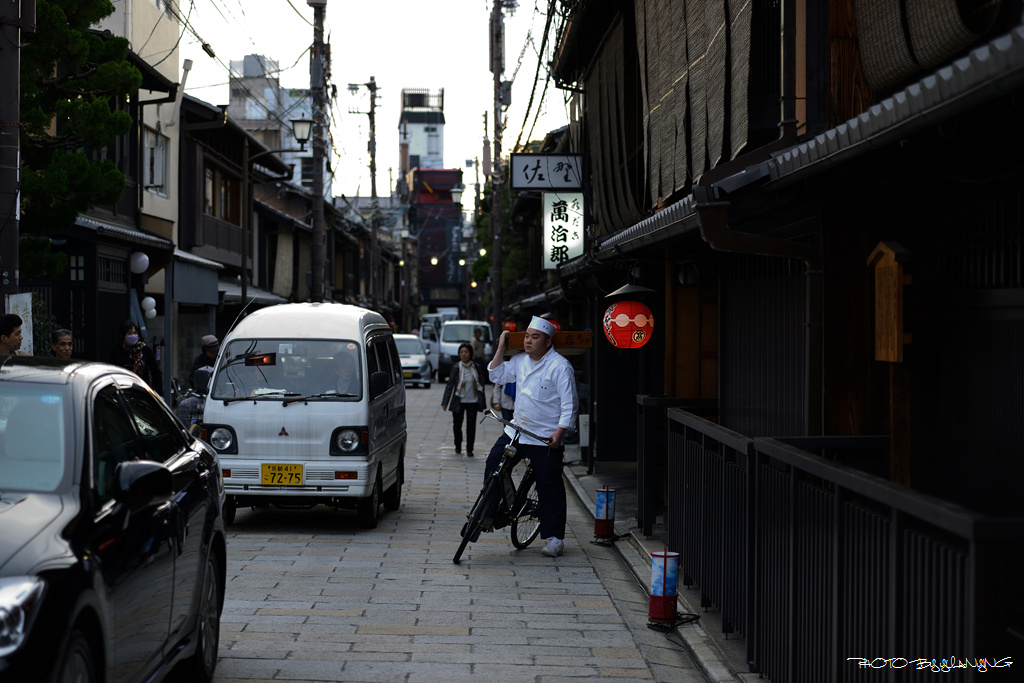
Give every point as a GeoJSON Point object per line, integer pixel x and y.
{"type": "Point", "coordinates": [494, 416]}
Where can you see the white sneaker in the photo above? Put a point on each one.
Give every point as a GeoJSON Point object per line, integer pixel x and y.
{"type": "Point", "coordinates": [553, 548]}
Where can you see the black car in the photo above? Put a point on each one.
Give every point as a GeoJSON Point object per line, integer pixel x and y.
{"type": "Point", "coordinates": [112, 556]}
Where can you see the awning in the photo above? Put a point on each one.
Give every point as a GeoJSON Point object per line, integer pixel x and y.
{"type": "Point", "coordinates": [986, 72]}
{"type": "Point", "coordinates": [544, 299]}
{"type": "Point", "coordinates": [195, 279]}
{"type": "Point", "coordinates": [232, 292]}
{"type": "Point", "coordinates": [125, 232]}
{"type": "Point", "coordinates": [188, 257]}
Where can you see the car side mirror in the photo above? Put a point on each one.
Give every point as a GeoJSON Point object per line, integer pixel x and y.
{"type": "Point", "coordinates": [142, 484]}
{"type": "Point", "coordinates": [378, 384]}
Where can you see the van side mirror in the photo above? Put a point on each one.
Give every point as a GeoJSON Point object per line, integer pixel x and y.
{"type": "Point", "coordinates": [378, 384]}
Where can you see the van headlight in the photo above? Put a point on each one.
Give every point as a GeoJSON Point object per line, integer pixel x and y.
{"type": "Point", "coordinates": [222, 439]}
{"type": "Point", "coordinates": [20, 597]}
{"type": "Point", "coordinates": [347, 440]}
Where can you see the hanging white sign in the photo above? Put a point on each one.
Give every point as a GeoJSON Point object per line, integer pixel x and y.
{"type": "Point", "coordinates": [546, 171]}
{"type": "Point", "coordinates": [563, 227]}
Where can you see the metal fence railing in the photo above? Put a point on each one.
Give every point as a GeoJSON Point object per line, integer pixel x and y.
{"type": "Point", "coordinates": [651, 425]}
{"type": "Point", "coordinates": [822, 566]}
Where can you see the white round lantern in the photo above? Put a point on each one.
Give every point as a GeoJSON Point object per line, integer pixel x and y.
{"type": "Point", "coordinates": [150, 313]}
{"type": "Point", "coordinates": [148, 304]}
{"type": "Point", "coordinates": [139, 262]}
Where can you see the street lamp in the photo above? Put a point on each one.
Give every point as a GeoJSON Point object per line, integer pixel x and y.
{"type": "Point", "coordinates": [457, 194]}
{"type": "Point", "coordinates": [301, 129]}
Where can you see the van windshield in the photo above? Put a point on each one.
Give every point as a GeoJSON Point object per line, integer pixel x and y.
{"type": "Point", "coordinates": [464, 333]}
{"type": "Point", "coordinates": [273, 368]}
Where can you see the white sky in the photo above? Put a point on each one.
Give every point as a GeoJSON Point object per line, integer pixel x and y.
{"type": "Point", "coordinates": [402, 44]}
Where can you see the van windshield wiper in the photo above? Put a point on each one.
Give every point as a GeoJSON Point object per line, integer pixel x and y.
{"type": "Point", "coordinates": [262, 394]}
{"type": "Point", "coordinates": [331, 394]}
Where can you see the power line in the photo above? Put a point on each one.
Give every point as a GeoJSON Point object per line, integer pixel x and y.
{"type": "Point", "coordinates": [536, 76]}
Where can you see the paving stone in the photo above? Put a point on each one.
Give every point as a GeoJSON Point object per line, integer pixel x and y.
{"type": "Point", "coordinates": [310, 597]}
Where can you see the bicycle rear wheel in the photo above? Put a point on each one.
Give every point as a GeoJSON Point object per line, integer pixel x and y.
{"type": "Point", "coordinates": [471, 529]}
{"type": "Point", "coordinates": [526, 515]}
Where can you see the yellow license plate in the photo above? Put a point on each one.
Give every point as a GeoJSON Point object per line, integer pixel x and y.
{"type": "Point", "coordinates": [281, 475]}
{"type": "Point", "coordinates": [406, 373]}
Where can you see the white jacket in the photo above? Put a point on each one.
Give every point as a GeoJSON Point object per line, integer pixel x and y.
{"type": "Point", "coordinates": [545, 393]}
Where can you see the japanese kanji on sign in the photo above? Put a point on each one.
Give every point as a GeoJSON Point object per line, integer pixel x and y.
{"type": "Point", "coordinates": [547, 172]}
{"type": "Point", "coordinates": [563, 228]}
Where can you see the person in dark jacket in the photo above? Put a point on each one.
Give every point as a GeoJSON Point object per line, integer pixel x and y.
{"type": "Point", "coordinates": [464, 397]}
{"type": "Point", "coordinates": [210, 345]}
{"type": "Point", "coordinates": [131, 353]}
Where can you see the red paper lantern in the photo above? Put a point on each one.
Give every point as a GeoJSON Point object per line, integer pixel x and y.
{"type": "Point", "coordinates": [510, 325]}
{"type": "Point", "coordinates": [558, 328]}
{"type": "Point", "coordinates": [628, 324]}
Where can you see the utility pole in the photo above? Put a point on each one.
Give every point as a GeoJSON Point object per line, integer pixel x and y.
{"type": "Point", "coordinates": [497, 67]}
{"type": "Point", "coordinates": [317, 67]}
{"type": "Point", "coordinates": [374, 208]}
{"type": "Point", "coordinates": [11, 24]}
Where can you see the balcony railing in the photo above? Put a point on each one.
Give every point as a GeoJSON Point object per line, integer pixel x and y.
{"type": "Point", "coordinates": [820, 565]}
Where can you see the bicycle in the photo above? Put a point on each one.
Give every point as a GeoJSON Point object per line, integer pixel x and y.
{"type": "Point", "coordinates": [515, 505]}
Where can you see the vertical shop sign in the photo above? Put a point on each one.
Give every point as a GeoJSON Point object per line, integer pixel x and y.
{"type": "Point", "coordinates": [563, 228]}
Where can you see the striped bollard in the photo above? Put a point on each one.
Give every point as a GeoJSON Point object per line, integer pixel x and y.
{"type": "Point", "coordinates": [664, 575]}
{"type": "Point", "coordinates": [604, 515]}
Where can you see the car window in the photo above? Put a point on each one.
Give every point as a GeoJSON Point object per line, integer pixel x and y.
{"type": "Point", "coordinates": [396, 362]}
{"type": "Point", "coordinates": [408, 346]}
{"type": "Point", "coordinates": [113, 441]}
{"type": "Point", "coordinates": [159, 432]}
{"type": "Point", "coordinates": [464, 333]}
{"type": "Point", "coordinates": [456, 333]}
{"type": "Point", "coordinates": [34, 450]}
{"type": "Point", "coordinates": [372, 361]}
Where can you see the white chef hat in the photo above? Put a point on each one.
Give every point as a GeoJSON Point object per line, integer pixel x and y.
{"type": "Point", "coordinates": [543, 325]}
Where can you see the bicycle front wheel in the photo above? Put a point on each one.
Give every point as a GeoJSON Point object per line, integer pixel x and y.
{"type": "Point", "coordinates": [471, 529]}
{"type": "Point", "coordinates": [526, 513]}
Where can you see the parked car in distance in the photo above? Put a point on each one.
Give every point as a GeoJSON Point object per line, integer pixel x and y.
{"type": "Point", "coordinates": [456, 332]}
{"type": "Point", "coordinates": [112, 550]}
{"type": "Point", "coordinates": [416, 369]}
{"type": "Point", "coordinates": [431, 342]}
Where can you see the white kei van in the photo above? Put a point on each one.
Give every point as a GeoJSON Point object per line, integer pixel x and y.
{"type": "Point", "coordinates": [455, 333]}
{"type": "Point", "coordinates": [307, 406]}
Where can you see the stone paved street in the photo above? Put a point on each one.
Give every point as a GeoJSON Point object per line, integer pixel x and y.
{"type": "Point", "coordinates": [312, 597]}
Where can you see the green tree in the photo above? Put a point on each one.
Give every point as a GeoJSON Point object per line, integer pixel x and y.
{"type": "Point", "coordinates": [74, 85]}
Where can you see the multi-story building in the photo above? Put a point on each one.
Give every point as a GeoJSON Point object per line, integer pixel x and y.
{"type": "Point", "coordinates": [421, 130]}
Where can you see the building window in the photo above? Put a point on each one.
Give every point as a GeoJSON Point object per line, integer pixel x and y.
{"type": "Point", "coordinates": [111, 274]}
{"type": "Point", "coordinates": [76, 268]}
{"type": "Point", "coordinates": [156, 162]}
{"type": "Point", "coordinates": [433, 144]}
{"type": "Point", "coordinates": [221, 195]}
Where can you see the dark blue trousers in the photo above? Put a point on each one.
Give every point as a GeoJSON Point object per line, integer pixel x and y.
{"type": "Point", "coordinates": [547, 464]}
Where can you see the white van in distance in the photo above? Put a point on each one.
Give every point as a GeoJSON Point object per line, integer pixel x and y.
{"type": "Point", "coordinates": [307, 406]}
